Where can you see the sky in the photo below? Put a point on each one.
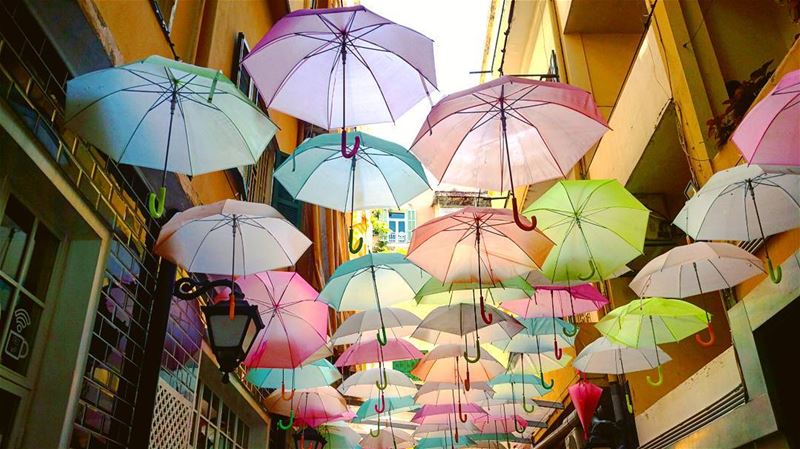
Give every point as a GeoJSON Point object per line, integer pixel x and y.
{"type": "Point", "coordinates": [458, 30]}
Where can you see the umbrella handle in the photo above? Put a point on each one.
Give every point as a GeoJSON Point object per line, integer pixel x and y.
{"type": "Point", "coordinates": [525, 406]}
{"type": "Point", "coordinates": [283, 393]}
{"type": "Point", "coordinates": [516, 426]}
{"type": "Point", "coordinates": [467, 382]}
{"type": "Point", "coordinates": [559, 352]}
{"type": "Point", "coordinates": [487, 318]}
{"type": "Point", "coordinates": [283, 426]}
{"type": "Point", "coordinates": [383, 382]}
{"type": "Point", "coordinates": [156, 206]}
{"type": "Point", "coordinates": [660, 378]}
{"type": "Point", "coordinates": [518, 218]}
{"type": "Point", "coordinates": [628, 402]}
{"type": "Point", "coordinates": [382, 340]}
{"type": "Point", "coordinates": [382, 408]}
{"type": "Point", "coordinates": [378, 433]}
{"type": "Point", "coordinates": [456, 434]}
{"type": "Point", "coordinates": [570, 333]}
{"type": "Point", "coordinates": [356, 144]}
{"type": "Point", "coordinates": [775, 273]}
{"type": "Point", "coordinates": [359, 245]}
{"type": "Point", "coordinates": [472, 360]}
{"type": "Point", "coordinates": [712, 337]}
{"type": "Point", "coordinates": [462, 416]}
{"type": "Point", "coordinates": [591, 274]}
{"type": "Point", "coordinates": [546, 385]}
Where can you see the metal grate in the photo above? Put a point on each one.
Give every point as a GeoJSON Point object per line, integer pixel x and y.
{"type": "Point", "coordinates": [172, 419]}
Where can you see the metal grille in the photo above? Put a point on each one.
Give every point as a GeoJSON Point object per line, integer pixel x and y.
{"type": "Point", "coordinates": [172, 419]}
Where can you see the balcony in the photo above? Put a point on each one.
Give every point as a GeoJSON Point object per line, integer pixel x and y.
{"type": "Point", "coordinates": [604, 16]}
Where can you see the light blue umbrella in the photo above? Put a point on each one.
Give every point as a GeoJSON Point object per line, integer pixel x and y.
{"type": "Point", "coordinates": [393, 404]}
{"type": "Point", "coordinates": [443, 442]}
{"type": "Point", "coordinates": [536, 336]}
{"type": "Point", "coordinates": [317, 374]}
{"type": "Point", "coordinates": [382, 174]}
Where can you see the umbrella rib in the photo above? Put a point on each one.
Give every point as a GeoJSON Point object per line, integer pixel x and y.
{"type": "Point", "coordinates": [363, 61]}
{"type": "Point", "coordinates": [218, 226]}
{"type": "Point", "coordinates": [159, 101]}
{"type": "Point", "coordinates": [291, 72]}
{"type": "Point", "coordinates": [186, 135]}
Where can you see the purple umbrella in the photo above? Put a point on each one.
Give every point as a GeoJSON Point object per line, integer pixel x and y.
{"type": "Point", "coordinates": [342, 67]}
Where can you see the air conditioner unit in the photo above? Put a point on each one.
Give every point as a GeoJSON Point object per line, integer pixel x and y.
{"type": "Point", "coordinates": [574, 439]}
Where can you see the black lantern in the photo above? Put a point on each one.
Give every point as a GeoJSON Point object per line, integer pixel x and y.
{"type": "Point", "coordinates": [311, 435]}
{"type": "Point", "coordinates": [231, 339]}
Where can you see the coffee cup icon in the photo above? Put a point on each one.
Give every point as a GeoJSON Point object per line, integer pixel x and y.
{"type": "Point", "coordinates": [16, 346]}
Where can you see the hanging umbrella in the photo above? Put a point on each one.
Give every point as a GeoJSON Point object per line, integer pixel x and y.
{"type": "Point", "coordinates": [436, 393]}
{"type": "Point", "coordinates": [437, 292]}
{"type": "Point", "coordinates": [500, 423]}
{"type": "Point", "coordinates": [476, 245]}
{"type": "Point", "coordinates": [381, 174]}
{"type": "Point", "coordinates": [511, 386]}
{"type": "Point", "coordinates": [507, 133]}
{"type": "Point", "coordinates": [315, 374]}
{"type": "Point", "coordinates": [543, 362]}
{"type": "Point", "coordinates": [373, 281]}
{"type": "Point", "coordinates": [388, 440]}
{"type": "Point", "coordinates": [585, 396]}
{"type": "Point", "coordinates": [342, 67]}
{"type": "Point", "coordinates": [312, 406]}
{"type": "Point", "coordinates": [372, 351]}
{"type": "Point", "coordinates": [359, 327]}
{"type": "Point", "coordinates": [560, 301]}
{"type": "Point", "coordinates": [744, 203]}
{"type": "Point", "coordinates": [141, 112]}
{"type": "Point", "coordinates": [429, 429]}
{"type": "Point", "coordinates": [528, 339]}
{"type": "Point", "coordinates": [596, 224]}
{"type": "Point", "coordinates": [371, 407]}
{"type": "Point", "coordinates": [770, 132]}
{"type": "Point", "coordinates": [367, 384]}
{"type": "Point", "coordinates": [653, 321]}
{"type": "Point", "coordinates": [442, 442]}
{"type": "Point", "coordinates": [339, 436]}
{"type": "Point", "coordinates": [694, 269]}
{"type": "Point", "coordinates": [445, 363]}
{"type": "Point", "coordinates": [428, 412]}
{"type": "Point", "coordinates": [296, 323]}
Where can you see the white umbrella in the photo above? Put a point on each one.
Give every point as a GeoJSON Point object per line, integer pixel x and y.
{"type": "Point", "coordinates": [359, 327]}
{"type": "Point", "coordinates": [445, 392]}
{"type": "Point", "coordinates": [744, 203]}
{"type": "Point", "coordinates": [451, 324]}
{"type": "Point", "coordinates": [606, 357]}
{"type": "Point", "coordinates": [364, 384]}
{"type": "Point", "coordinates": [695, 269]}
{"type": "Point", "coordinates": [388, 440]}
{"type": "Point", "coordinates": [231, 237]}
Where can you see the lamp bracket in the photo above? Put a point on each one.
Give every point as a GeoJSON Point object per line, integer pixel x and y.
{"type": "Point", "coordinates": [188, 289]}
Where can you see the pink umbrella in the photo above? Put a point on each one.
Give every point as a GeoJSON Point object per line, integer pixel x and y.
{"type": "Point", "coordinates": [371, 351]}
{"type": "Point", "coordinates": [558, 301]}
{"type": "Point", "coordinates": [585, 396]}
{"type": "Point", "coordinates": [476, 244]}
{"type": "Point", "coordinates": [312, 406]}
{"type": "Point", "coordinates": [508, 132]}
{"type": "Point", "coordinates": [429, 411]}
{"type": "Point", "coordinates": [500, 423]}
{"type": "Point", "coordinates": [342, 67]}
{"type": "Point", "coordinates": [770, 133]}
{"type": "Point", "coordinates": [296, 322]}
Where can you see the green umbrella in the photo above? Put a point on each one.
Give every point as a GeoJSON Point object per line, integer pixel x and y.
{"type": "Point", "coordinates": [653, 321]}
{"type": "Point", "coordinates": [437, 292]}
{"type": "Point", "coordinates": [597, 225]}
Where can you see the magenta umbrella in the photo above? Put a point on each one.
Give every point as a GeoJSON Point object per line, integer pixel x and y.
{"type": "Point", "coordinates": [342, 67]}
{"type": "Point", "coordinates": [427, 413]}
{"type": "Point", "coordinates": [558, 301]}
{"type": "Point", "coordinates": [507, 133]}
{"type": "Point", "coordinates": [311, 406]}
{"type": "Point", "coordinates": [296, 322]}
{"type": "Point", "coordinates": [770, 133]}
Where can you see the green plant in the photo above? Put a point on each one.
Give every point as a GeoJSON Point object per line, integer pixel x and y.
{"type": "Point", "coordinates": [741, 95]}
{"type": "Point", "coordinates": [380, 231]}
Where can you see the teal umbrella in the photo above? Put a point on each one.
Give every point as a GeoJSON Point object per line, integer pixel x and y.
{"type": "Point", "coordinates": [381, 174]}
{"type": "Point", "coordinates": [317, 374]}
{"type": "Point", "coordinates": [339, 435]}
{"type": "Point", "coordinates": [393, 404]}
{"type": "Point", "coordinates": [443, 442]}
{"type": "Point", "coordinates": [372, 282]}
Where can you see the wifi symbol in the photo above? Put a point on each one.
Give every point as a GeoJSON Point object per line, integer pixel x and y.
{"type": "Point", "coordinates": [21, 319]}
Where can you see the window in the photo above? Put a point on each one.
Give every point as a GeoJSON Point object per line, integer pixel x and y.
{"type": "Point", "coordinates": [397, 227]}
{"type": "Point", "coordinates": [215, 426]}
{"type": "Point", "coordinates": [411, 222]}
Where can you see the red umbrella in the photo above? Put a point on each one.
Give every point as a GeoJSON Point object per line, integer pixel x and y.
{"type": "Point", "coordinates": [585, 396]}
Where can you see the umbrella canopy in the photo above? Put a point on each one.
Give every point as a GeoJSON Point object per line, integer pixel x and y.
{"type": "Point", "coordinates": [388, 439]}
{"type": "Point", "coordinates": [313, 406]}
{"type": "Point", "coordinates": [360, 327]}
{"type": "Point", "coordinates": [543, 362]}
{"type": "Point", "coordinates": [500, 423]}
{"type": "Point", "coordinates": [362, 384]}
{"type": "Point", "coordinates": [429, 429]}
{"type": "Point", "coordinates": [436, 393]}
{"type": "Point", "coordinates": [597, 225]}
{"type": "Point", "coordinates": [342, 67]}
{"type": "Point", "coordinates": [392, 404]}
{"type": "Point", "coordinates": [546, 328]}
{"type": "Point", "coordinates": [315, 374]}
{"type": "Point", "coordinates": [231, 237]}
{"type": "Point", "coordinates": [607, 357]}
{"type": "Point", "coordinates": [695, 269]}
{"type": "Point", "coordinates": [743, 203]}
{"type": "Point", "coordinates": [372, 351]}
{"type": "Point", "coordinates": [585, 396]}
{"type": "Point", "coordinates": [339, 436]}
{"type": "Point", "coordinates": [511, 387]}
{"type": "Point", "coordinates": [168, 115]}
{"type": "Point", "coordinates": [445, 363]}
{"type": "Point", "coordinates": [450, 324]}
{"type": "Point", "coordinates": [374, 281]}
{"type": "Point", "coordinates": [437, 292]}
{"type": "Point", "coordinates": [442, 442]}
{"type": "Point", "coordinates": [431, 410]}
{"type": "Point", "coordinates": [508, 132]}
{"type": "Point", "coordinates": [770, 132]}
{"type": "Point", "coordinates": [561, 301]}
{"type": "Point", "coordinates": [296, 323]}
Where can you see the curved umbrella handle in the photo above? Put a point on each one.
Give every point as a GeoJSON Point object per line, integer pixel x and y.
{"type": "Point", "coordinates": [712, 337]}
{"type": "Point", "coordinates": [382, 408]}
{"type": "Point", "coordinates": [570, 333]}
{"type": "Point", "coordinates": [283, 393]}
{"type": "Point", "coordinates": [518, 218]}
{"type": "Point", "coordinates": [591, 273]}
{"type": "Point", "coordinates": [359, 245]}
{"type": "Point", "coordinates": [546, 385]}
{"type": "Point", "coordinates": [516, 426]}
{"type": "Point", "coordinates": [660, 378]}
{"type": "Point", "coordinates": [628, 402]}
{"type": "Point", "coordinates": [559, 352]}
{"type": "Point", "coordinates": [345, 153]}
{"type": "Point", "coordinates": [525, 406]}
{"type": "Point", "coordinates": [486, 318]}
{"type": "Point", "coordinates": [283, 426]}
{"type": "Point", "coordinates": [382, 340]}
{"type": "Point", "coordinates": [775, 273]}
{"type": "Point", "coordinates": [156, 206]}
{"type": "Point", "coordinates": [376, 434]}
{"type": "Point", "coordinates": [461, 416]}
{"type": "Point", "coordinates": [472, 360]}
{"type": "Point", "coordinates": [383, 382]}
